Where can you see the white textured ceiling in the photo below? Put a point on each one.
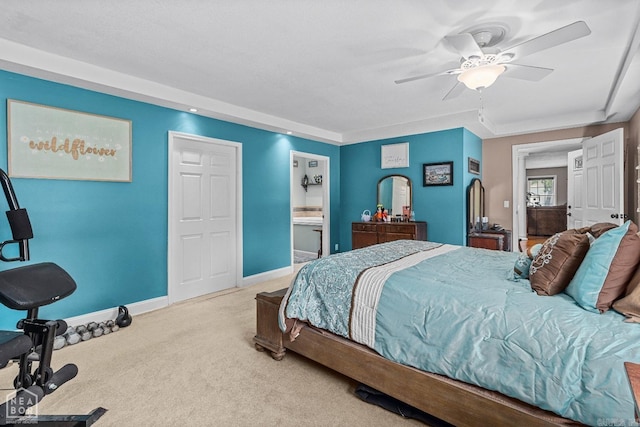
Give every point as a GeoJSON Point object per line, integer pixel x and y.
{"type": "Point", "coordinates": [326, 69]}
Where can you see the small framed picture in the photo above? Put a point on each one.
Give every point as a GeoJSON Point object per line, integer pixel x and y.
{"type": "Point", "coordinates": [577, 163]}
{"type": "Point", "coordinates": [474, 166]}
{"type": "Point", "coordinates": [313, 163]}
{"type": "Point", "coordinates": [437, 173]}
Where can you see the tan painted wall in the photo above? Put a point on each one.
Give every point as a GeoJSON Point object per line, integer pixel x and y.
{"type": "Point", "coordinates": [634, 141]}
{"type": "Point", "coordinates": [497, 174]}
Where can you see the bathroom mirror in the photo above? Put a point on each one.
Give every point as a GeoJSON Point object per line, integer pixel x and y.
{"type": "Point", "coordinates": [475, 200]}
{"type": "Point", "coordinates": [394, 193]}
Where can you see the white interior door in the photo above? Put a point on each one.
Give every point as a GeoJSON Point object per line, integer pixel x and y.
{"type": "Point", "coordinates": [603, 177]}
{"type": "Point", "coordinates": [203, 216]}
{"type": "Point", "coordinates": [575, 201]}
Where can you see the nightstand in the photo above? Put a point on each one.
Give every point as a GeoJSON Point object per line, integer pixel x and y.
{"type": "Point", "coordinates": [486, 241]}
{"type": "Point", "coordinates": [499, 240]}
{"type": "Point", "coordinates": [507, 238]}
{"type": "Point", "coordinates": [633, 374]}
{"type": "Point", "coordinates": [268, 334]}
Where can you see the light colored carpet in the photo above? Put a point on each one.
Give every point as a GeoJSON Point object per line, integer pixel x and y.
{"type": "Point", "coordinates": [194, 363]}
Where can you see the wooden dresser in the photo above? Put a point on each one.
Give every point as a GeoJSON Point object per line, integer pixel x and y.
{"type": "Point", "coordinates": [546, 220]}
{"type": "Point", "coordinates": [370, 233]}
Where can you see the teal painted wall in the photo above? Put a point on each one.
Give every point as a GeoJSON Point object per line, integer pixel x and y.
{"type": "Point", "coordinates": [112, 237]}
{"type": "Point", "coordinates": [443, 207]}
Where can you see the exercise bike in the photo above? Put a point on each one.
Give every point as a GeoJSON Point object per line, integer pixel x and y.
{"type": "Point", "coordinates": [27, 289]}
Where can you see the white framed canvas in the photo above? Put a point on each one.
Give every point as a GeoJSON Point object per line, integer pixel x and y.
{"type": "Point", "coordinates": [395, 156]}
{"type": "Point", "coordinates": [55, 143]}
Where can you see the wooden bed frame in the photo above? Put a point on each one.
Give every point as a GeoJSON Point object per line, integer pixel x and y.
{"type": "Point", "coordinates": [458, 403]}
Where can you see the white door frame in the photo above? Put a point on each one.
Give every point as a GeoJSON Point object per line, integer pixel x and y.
{"type": "Point", "coordinates": [326, 203]}
{"type": "Point", "coordinates": [171, 244]}
{"type": "Point", "coordinates": [519, 152]}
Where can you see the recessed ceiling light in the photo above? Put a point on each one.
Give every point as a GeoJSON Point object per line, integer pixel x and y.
{"type": "Point", "coordinates": [289, 132]}
{"type": "Point", "coordinates": [193, 110]}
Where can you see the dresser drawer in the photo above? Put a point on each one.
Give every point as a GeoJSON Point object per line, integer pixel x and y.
{"type": "Point", "coordinates": [370, 233]}
{"type": "Point", "coordinates": [398, 229]}
{"type": "Point", "coordinates": [358, 226]}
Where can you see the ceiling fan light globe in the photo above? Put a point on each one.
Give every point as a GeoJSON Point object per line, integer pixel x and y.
{"type": "Point", "coordinates": [506, 57]}
{"type": "Point", "coordinates": [481, 77]}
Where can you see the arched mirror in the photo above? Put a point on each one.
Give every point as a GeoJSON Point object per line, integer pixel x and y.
{"type": "Point", "coordinates": [475, 200]}
{"type": "Point", "coordinates": [394, 193]}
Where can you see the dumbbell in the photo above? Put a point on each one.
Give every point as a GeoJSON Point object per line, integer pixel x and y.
{"type": "Point", "coordinates": [111, 325]}
{"type": "Point", "coordinates": [114, 326]}
{"type": "Point", "coordinates": [105, 329]}
{"type": "Point", "coordinates": [71, 336]}
{"type": "Point", "coordinates": [84, 333]}
{"type": "Point", "coordinates": [59, 341]}
{"type": "Point", "coordinates": [97, 331]}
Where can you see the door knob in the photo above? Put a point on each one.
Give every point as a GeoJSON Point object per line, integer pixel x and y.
{"type": "Point", "coordinates": [614, 216]}
{"type": "Point", "coordinates": [569, 214]}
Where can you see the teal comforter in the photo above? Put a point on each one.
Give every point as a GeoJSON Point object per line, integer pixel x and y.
{"type": "Point", "coordinates": [458, 312]}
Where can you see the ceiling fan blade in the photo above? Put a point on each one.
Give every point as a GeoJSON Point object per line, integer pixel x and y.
{"type": "Point", "coordinates": [554, 38]}
{"type": "Point", "coordinates": [426, 76]}
{"type": "Point", "coordinates": [455, 91]}
{"type": "Point", "coordinates": [526, 72]}
{"type": "Point", "coordinates": [465, 44]}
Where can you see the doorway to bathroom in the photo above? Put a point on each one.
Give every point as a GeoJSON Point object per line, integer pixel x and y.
{"type": "Point", "coordinates": [309, 207]}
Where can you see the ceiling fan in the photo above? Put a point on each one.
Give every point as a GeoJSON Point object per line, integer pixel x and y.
{"type": "Point", "coordinates": [481, 64]}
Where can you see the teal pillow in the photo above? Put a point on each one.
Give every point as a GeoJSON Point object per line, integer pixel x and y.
{"type": "Point", "coordinates": [523, 263]}
{"type": "Point", "coordinates": [589, 280]}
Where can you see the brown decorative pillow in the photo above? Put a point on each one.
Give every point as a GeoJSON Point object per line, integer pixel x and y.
{"type": "Point", "coordinates": [607, 268]}
{"type": "Point", "coordinates": [598, 229]}
{"type": "Point", "coordinates": [556, 263]}
{"type": "Point", "coordinates": [583, 230]}
{"type": "Point", "coordinates": [622, 267]}
{"type": "Point", "coordinates": [629, 305]}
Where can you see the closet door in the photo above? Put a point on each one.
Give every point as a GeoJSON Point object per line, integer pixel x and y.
{"type": "Point", "coordinates": [203, 216]}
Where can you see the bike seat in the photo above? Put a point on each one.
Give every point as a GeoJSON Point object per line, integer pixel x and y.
{"type": "Point", "coordinates": [12, 344]}
{"type": "Point", "coordinates": [34, 285]}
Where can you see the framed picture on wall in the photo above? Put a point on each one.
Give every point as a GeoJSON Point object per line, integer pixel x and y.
{"type": "Point", "coordinates": [474, 166]}
{"type": "Point", "coordinates": [437, 174]}
{"type": "Point", "coordinates": [394, 156]}
{"type": "Point", "coordinates": [55, 143]}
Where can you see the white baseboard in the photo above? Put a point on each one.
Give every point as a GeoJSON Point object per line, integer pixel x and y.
{"type": "Point", "coordinates": [307, 254]}
{"type": "Point", "coordinates": [161, 302]}
{"type": "Point", "coordinates": [111, 313]}
{"type": "Point", "coordinates": [267, 275]}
